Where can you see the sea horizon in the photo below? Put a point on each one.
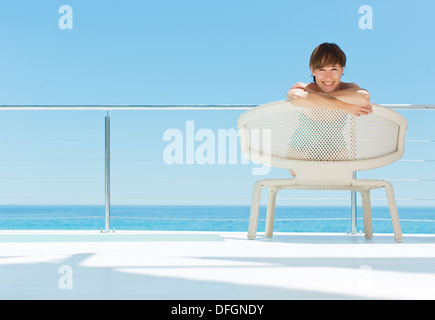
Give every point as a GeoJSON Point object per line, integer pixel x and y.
{"type": "Point", "coordinates": [415, 220]}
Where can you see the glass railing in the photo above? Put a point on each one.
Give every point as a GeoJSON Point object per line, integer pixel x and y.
{"type": "Point", "coordinates": [180, 168]}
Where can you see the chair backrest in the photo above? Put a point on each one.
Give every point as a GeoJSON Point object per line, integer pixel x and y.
{"type": "Point", "coordinates": [330, 144]}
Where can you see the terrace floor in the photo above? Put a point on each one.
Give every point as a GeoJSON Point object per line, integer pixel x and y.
{"type": "Point", "coordinates": [214, 265]}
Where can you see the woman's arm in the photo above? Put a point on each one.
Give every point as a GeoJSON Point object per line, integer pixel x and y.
{"type": "Point", "coordinates": [351, 93]}
{"type": "Point", "coordinates": [303, 95]}
{"type": "Point", "coordinates": [311, 99]}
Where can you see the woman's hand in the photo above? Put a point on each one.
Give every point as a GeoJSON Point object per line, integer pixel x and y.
{"type": "Point", "coordinates": [309, 87]}
{"type": "Point", "coordinates": [299, 85]}
{"type": "Point", "coordinates": [357, 110]}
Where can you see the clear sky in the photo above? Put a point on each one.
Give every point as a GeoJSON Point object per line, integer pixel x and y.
{"type": "Point", "coordinates": [188, 52]}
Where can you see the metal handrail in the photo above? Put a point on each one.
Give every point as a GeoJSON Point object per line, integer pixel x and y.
{"type": "Point", "coordinates": [178, 107]}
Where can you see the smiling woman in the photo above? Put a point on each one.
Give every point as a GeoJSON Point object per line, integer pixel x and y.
{"type": "Point", "coordinates": [327, 63]}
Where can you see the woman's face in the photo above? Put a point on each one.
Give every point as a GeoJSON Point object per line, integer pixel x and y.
{"type": "Point", "coordinates": [328, 78]}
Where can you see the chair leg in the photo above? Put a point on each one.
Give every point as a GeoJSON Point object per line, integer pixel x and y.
{"type": "Point", "coordinates": [270, 212]}
{"type": "Point", "coordinates": [393, 212]}
{"type": "Point", "coordinates": [255, 208]}
{"type": "Point", "coordinates": [367, 213]}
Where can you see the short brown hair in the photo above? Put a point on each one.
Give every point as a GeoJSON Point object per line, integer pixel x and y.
{"type": "Point", "coordinates": [327, 54]}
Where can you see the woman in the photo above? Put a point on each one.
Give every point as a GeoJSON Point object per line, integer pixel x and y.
{"type": "Point", "coordinates": [327, 63]}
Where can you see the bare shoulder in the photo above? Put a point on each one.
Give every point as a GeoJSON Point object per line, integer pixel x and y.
{"type": "Point", "coordinates": [348, 85]}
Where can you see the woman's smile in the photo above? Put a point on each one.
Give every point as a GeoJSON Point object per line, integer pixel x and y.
{"type": "Point", "coordinates": [328, 84]}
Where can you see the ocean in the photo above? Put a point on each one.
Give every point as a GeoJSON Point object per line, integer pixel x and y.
{"type": "Point", "coordinates": [414, 220]}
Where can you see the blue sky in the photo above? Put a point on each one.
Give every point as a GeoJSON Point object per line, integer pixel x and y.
{"type": "Point", "coordinates": [186, 52]}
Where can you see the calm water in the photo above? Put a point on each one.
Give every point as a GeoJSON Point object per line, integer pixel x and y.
{"type": "Point", "coordinates": [208, 218]}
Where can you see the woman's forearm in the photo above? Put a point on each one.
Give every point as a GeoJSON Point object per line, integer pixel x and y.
{"type": "Point", "coordinates": [315, 100]}
{"type": "Point", "coordinates": [351, 95]}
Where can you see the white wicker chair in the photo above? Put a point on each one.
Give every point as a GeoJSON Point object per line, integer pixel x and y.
{"type": "Point", "coordinates": [324, 148]}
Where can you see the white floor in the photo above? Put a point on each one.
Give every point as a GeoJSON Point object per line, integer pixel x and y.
{"type": "Point", "coordinates": [215, 265]}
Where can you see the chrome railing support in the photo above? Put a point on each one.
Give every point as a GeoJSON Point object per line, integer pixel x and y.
{"type": "Point", "coordinates": [353, 213]}
{"type": "Point", "coordinates": [107, 172]}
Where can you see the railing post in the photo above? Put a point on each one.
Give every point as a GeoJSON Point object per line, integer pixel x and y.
{"type": "Point", "coordinates": [107, 172]}
{"type": "Point", "coordinates": [353, 192]}
{"type": "Point", "coordinates": [353, 203]}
